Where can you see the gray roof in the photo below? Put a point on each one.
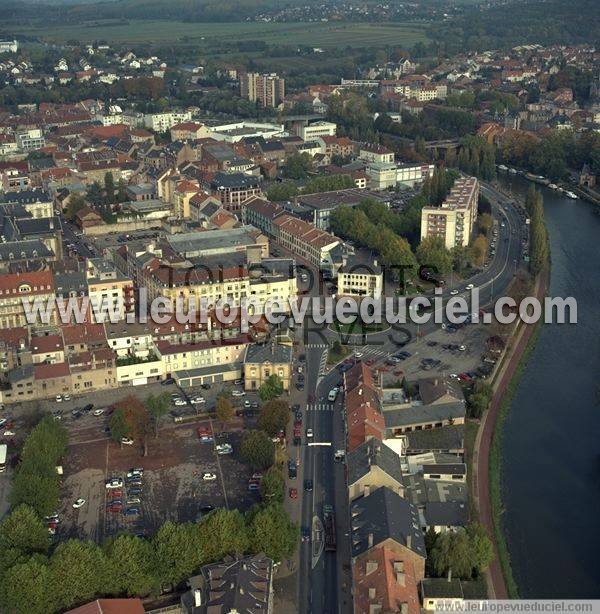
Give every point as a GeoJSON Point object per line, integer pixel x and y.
{"type": "Point", "coordinates": [441, 588]}
{"type": "Point", "coordinates": [24, 249]}
{"type": "Point", "coordinates": [417, 414]}
{"type": "Point", "coordinates": [437, 440]}
{"type": "Point", "coordinates": [386, 515]}
{"type": "Point", "coordinates": [26, 197]}
{"type": "Point", "coordinates": [194, 243]}
{"type": "Point", "coordinates": [71, 282]}
{"type": "Point", "coordinates": [455, 468]}
{"type": "Point", "coordinates": [446, 514]}
{"type": "Point", "coordinates": [274, 353]}
{"type": "Point", "coordinates": [234, 180]}
{"type": "Point", "coordinates": [369, 454]}
{"type": "Point", "coordinates": [421, 492]}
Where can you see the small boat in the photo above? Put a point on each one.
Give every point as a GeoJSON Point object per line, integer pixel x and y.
{"type": "Point", "coordinates": [571, 195]}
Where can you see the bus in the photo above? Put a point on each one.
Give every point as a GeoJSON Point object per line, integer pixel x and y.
{"type": "Point", "coordinates": [329, 526]}
{"type": "Point", "coordinates": [3, 449]}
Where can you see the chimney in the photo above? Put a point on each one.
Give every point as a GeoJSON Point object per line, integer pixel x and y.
{"type": "Point", "coordinates": [409, 541]}
{"type": "Point", "coordinates": [370, 540]}
{"type": "Point", "coordinates": [197, 598]}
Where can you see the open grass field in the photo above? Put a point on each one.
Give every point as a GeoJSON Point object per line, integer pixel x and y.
{"type": "Point", "coordinates": [324, 35]}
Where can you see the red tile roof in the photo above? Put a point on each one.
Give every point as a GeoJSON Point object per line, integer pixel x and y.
{"type": "Point", "coordinates": [46, 344]}
{"type": "Point", "coordinates": [49, 371]}
{"type": "Point", "coordinates": [28, 284]}
{"type": "Point", "coordinates": [110, 606]}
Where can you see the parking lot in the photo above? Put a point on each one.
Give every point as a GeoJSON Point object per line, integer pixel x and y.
{"type": "Point", "coordinates": [171, 487]}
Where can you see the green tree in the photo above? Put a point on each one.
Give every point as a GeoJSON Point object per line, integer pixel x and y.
{"type": "Point", "coordinates": [482, 550]}
{"type": "Point", "coordinates": [272, 486]}
{"type": "Point", "coordinates": [433, 253]}
{"type": "Point", "coordinates": [23, 532]}
{"type": "Point", "coordinates": [485, 223]}
{"type": "Point", "coordinates": [297, 166]}
{"type": "Point", "coordinates": [274, 416]}
{"type": "Point", "coordinates": [157, 407]}
{"type": "Point", "coordinates": [257, 450]}
{"type": "Point", "coordinates": [79, 571]}
{"type": "Point", "coordinates": [177, 552]}
{"type": "Point", "coordinates": [271, 388]}
{"type": "Point", "coordinates": [225, 411]}
{"type": "Point", "coordinates": [27, 588]}
{"type": "Point", "coordinates": [109, 187]}
{"type": "Point", "coordinates": [282, 191]}
{"type": "Point", "coordinates": [40, 492]}
{"type": "Point", "coordinates": [451, 551]}
{"type": "Point", "coordinates": [132, 416]}
{"type": "Point", "coordinates": [75, 203]}
{"type": "Point", "coordinates": [272, 532]}
{"type": "Point", "coordinates": [130, 566]}
{"type": "Point", "coordinates": [223, 532]}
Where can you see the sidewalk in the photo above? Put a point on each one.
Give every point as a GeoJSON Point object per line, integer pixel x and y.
{"type": "Point", "coordinates": [481, 494]}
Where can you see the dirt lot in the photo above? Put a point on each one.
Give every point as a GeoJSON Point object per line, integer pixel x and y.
{"type": "Point", "coordinates": [172, 486]}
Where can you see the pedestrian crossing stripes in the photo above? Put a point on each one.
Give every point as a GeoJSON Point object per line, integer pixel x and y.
{"type": "Point", "coordinates": [319, 407]}
{"type": "Point", "coordinates": [323, 364]}
{"type": "Point", "coordinates": [314, 346]}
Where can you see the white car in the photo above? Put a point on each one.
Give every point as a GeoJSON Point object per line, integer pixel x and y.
{"type": "Point", "coordinates": [469, 287]}
{"type": "Point", "coordinates": [238, 393]}
{"type": "Point", "coordinates": [224, 448]}
{"type": "Point", "coordinates": [127, 441]}
{"type": "Point", "coordinates": [9, 433]}
{"type": "Point", "coordinates": [358, 354]}
{"type": "Point", "coordinates": [79, 503]}
{"type": "Point", "coordinates": [67, 397]}
{"type": "Point", "coordinates": [462, 348]}
{"type": "Point", "coordinates": [179, 402]}
{"type": "Point", "coordinates": [209, 477]}
{"type": "Point", "coordinates": [114, 483]}
{"type": "Point", "coordinates": [197, 400]}
{"type": "Point", "coordinates": [98, 412]}
{"type": "Point", "coordinates": [309, 433]}
{"type": "Point", "coordinates": [59, 398]}
{"type": "Point", "coordinates": [454, 292]}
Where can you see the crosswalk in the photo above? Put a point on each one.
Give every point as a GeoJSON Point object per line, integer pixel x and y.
{"type": "Point", "coordinates": [319, 407]}
{"type": "Point", "coordinates": [373, 352]}
{"type": "Point", "coordinates": [323, 364]}
{"type": "Point", "coordinates": [316, 346]}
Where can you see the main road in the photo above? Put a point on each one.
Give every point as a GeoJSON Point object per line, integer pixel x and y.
{"type": "Point", "coordinates": [324, 584]}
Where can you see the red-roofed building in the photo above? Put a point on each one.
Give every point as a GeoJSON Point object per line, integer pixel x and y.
{"type": "Point", "coordinates": [110, 606]}
{"type": "Point", "coordinates": [189, 131]}
{"type": "Point", "coordinates": [47, 349]}
{"type": "Point", "coordinates": [385, 581]}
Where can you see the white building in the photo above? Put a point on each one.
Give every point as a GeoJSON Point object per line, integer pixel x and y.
{"type": "Point", "coordinates": [9, 46]}
{"type": "Point", "coordinates": [232, 133]}
{"type": "Point", "coordinates": [316, 130]}
{"type": "Point", "coordinates": [29, 140]}
{"type": "Point", "coordinates": [161, 122]}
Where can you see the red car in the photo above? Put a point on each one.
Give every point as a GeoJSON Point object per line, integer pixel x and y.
{"type": "Point", "coordinates": [115, 508]}
{"type": "Point", "coordinates": [293, 493]}
{"type": "Point", "coordinates": [463, 377]}
{"type": "Point", "coordinates": [115, 494]}
{"type": "Point", "coordinates": [203, 431]}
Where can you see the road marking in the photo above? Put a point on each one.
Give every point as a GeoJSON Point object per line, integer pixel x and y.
{"type": "Point", "coordinates": [319, 407]}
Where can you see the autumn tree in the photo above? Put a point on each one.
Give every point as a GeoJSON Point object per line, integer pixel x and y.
{"type": "Point", "coordinates": [225, 411]}
{"type": "Point", "coordinates": [130, 418]}
{"type": "Point", "coordinates": [274, 416]}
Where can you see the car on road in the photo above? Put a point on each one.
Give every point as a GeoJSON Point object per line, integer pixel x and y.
{"type": "Point", "coordinates": [469, 287]}
{"type": "Point", "coordinates": [293, 493]}
{"type": "Point", "coordinates": [238, 393]}
{"type": "Point", "coordinates": [308, 485]}
{"type": "Point", "coordinates": [299, 385]}
{"type": "Point", "coordinates": [127, 441]}
{"type": "Point", "coordinates": [309, 433]}
{"type": "Point", "coordinates": [78, 503]}
{"type": "Point", "coordinates": [305, 533]}
{"type": "Point", "coordinates": [298, 416]}
{"type": "Point", "coordinates": [98, 412]}
{"type": "Point", "coordinates": [454, 292]}
{"type": "Point", "coordinates": [209, 477]}
{"type": "Point", "coordinates": [114, 483]}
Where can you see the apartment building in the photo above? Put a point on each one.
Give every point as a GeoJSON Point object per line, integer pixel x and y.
{"type": "Point", "coordinates": [19, 288]}
{"type": "Point", "coordinates": [306, 241]}
{"type": "Point", "coordinates": [233, 189]}
{"type": "Point", "coordinates": [30, 140]}
{"type": "Point", "coordinates": [385, 175]}
{"type": "Point", "coordinates": [453, 221]}
{"type": "Point", "coordinates": [357, 278]}
{"type": "Point", "coordinates": [161, 122]}
{"type": "Point", "coordinates": [266, 89]}
{"type": "Point", "coordinates": [109, 288]}
{"type": "Point", "coordinates": [375, 153]}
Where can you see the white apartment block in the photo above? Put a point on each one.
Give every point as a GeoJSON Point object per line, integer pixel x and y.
{"type": "Point", "coordinates": [453, 221]}
{"type": "Point", "coordinates": [161, 122]}
{"type": "Point", "coordinates": [29, 140]}
{"type": "Point", "coordinates": [385, 175]}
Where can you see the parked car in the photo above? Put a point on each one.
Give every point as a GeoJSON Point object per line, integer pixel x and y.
{"type": "Point", "coordinates": [114, 483]}
{"type": "Point", "coordinates": [309, 433]}
{"type": "Point", "coordinates": [134, 492]}
{"type": "Point", "coordinates": [132, 511]}
{"type": "Point", "coordinates": [167, 382]}
{"type": "Point", "coordinates": [308, 485]}
{"type": "Point", "coordinates": [197, 400]}
{"type": "Point", "coordinates": [66, 397]}
{"type": "Point", "coordinates": [209, 477]}
{"type": "Point", "coordinates": [127, 441]}
{"type": "Point", "coordinates": [78, 503]}
{"type": "Point", "coordinates": [98, 412]}
{"type": "Point", "coordinates": [238, 393]}
{"type": "Point", "coordinates": [293, 493]}
{"type": "Point", "coordinates": [305, 533]}
{"type": "Point", "coordinates": [59, 398]}
{"type": "Point", "coordinates": [133, 501]}
{"type": "Point", "coordinates": [88, 407]}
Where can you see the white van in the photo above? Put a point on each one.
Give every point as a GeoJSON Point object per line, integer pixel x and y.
{"type": "Point", "coordinates": [332, 396]}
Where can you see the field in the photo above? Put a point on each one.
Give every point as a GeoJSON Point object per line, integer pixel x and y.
{"type": "Point", "coordinates": [324, 35]}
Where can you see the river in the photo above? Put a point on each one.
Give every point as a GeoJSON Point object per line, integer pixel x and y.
{"type": "Point", "coordinates": [551, 444]}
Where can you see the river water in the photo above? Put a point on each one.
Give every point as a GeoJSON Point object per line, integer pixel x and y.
{"type": "Point", "coordinates": [551, 445]}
